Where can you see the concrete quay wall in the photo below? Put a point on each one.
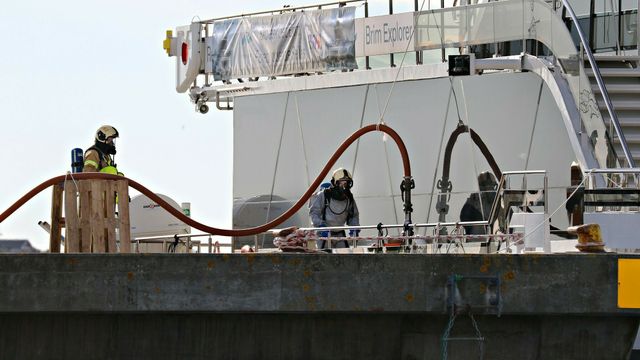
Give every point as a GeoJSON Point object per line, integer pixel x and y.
{"type": "Point", "coordinates": [317, 306]}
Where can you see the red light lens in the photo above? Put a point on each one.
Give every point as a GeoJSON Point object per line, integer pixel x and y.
{"type": "Point", "coordinates": [185, 53]}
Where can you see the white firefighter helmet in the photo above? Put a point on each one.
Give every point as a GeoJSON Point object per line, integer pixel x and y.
{"type": "Point", "coordinates": [341, 174]}
{"type": "Point", "coordinates": [105, 132]}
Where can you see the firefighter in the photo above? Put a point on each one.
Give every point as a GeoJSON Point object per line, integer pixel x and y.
{"type": "Point", "coordinates": [335, 206]}
{"type": "Point", "coordinates": [99, 157]}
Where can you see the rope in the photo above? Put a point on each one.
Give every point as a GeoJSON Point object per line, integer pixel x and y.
{"type": "Point", "coordinates": [364, 107]}
{"type": "Point", "coordinates": [70, 174]}
{"type": "Point", "coordinates": [453, 314]}
{"type": "Point", "coordinates": [275, 170]}
{"type": "Point", "coordinates": [472, 149]}
{"type": "Point", "coordinates": [304, 148]}
{"type": "Point", "coordinates": [393, 84]}
{"type": "Point", "coordinates": [479, 335]}
{"type": "Point", "coordinates": [447, 332]}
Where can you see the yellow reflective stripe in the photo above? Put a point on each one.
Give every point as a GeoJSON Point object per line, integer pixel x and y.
{"type": "Point", "coordinates": [91, 163]}
{"type": "Point", "coordinates": [109, 170]}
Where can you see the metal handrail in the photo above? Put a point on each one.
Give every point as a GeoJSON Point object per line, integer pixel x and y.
{"type": "Point", "coordinates": [184, 239]}
{"type": "Point", "coordinates": [392, 226]}
{"type": "Point", "coordinates": [603, 89]}
{"type": "Point", "coordinates": [493, 214]}
{"type": "Point", "coordinates": [613, 171]}
{"type": "Point", "coordinates": [635, 172]}
{"type": "Point", "coordinates": [171, 236]}
{"type": "Point", "coordinates": [288, 9]}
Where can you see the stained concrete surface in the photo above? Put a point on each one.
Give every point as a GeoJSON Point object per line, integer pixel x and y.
{"type": "Point", "coordinates": [290, 306]}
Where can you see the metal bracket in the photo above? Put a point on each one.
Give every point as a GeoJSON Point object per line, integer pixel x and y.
{"type": "Point", "coordinates": [461, 294]}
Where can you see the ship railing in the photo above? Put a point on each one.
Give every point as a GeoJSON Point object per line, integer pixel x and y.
{"type": "Point", "coordinates": [439, 239]}
{"type": "Point", "coordinates": [626, 177]}
{"type": "Point", "coordinates": [621, 192]}
{"type": "Point", "coordinates": [610, 26]}
{"type": "Point", "coordinates": [183, 243]}
{"type": "Point", "coordinates": [507, 197]}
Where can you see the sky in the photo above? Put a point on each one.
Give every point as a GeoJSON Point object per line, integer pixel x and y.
{"type": "Point", "coordinates": [70, 66]}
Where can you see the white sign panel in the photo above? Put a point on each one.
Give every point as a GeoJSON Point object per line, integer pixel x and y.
{"type": "Point", "coordinates": [290, 43]}
{"type": "Point", "coordinates": [387, 34]}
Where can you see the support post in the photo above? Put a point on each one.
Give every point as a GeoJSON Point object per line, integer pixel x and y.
{"type": "Point", "coordinates": [122, 189]}
{"type": "Point", "coordinates": [391, 62]}
{"type": "Point", "coordinates": [366, 58]}
{"type": "Point", "coordinates": [418, 53]}
{"type": "Point", "coordinates": [72, 223]}
{"type": "Point", "coordinates": [55, 236]}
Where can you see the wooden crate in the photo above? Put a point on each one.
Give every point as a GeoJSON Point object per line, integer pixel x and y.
{"type": "Point", "coordinates": [90, 217]}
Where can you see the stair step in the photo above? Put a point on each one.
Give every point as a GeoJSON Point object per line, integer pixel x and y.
{"type": "Point", "coordinates": [631, 136]}
{"type": "Point", "coordinates": [615, 72]}
{"type": "Point", "coordinates": [618, 88]}
{"type": "Point", "coordinates": [622, 79]}
{"type": "Point", "coordinates": [626, 115]}
{"type": "Point", "coordinates": [629, 132]}
{"type": "Point", "coordinates": [631, 140]}
{"type": "Point", "coordinates": [620, 58]}
{"type": "Point", "coordinates": [629, 125]}
{"type": "Point", "coordinates": [620, 105]}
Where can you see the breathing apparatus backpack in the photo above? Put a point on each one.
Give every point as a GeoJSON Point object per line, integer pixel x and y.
{"type": "Point", "coordinates": [77, 160]}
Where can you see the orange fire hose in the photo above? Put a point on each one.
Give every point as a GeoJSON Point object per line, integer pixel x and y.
{"type": "Point", "coordinates": [217, 231]}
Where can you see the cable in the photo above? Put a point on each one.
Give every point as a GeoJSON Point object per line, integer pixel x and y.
{"type": "Point", "coordinates": [455, 97]}
{"type": "Point", "coordinates": [70, 174]}
{"type": "Point", "coordinates": [435, 173]}
{"type": "Point", "coordinates": [533, 130]}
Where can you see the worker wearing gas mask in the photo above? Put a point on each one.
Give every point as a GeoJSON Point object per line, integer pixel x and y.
{"type": "Point", "coordinates": [335, 206]}
{"type": "Point", "coordinates": [478, 205]}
